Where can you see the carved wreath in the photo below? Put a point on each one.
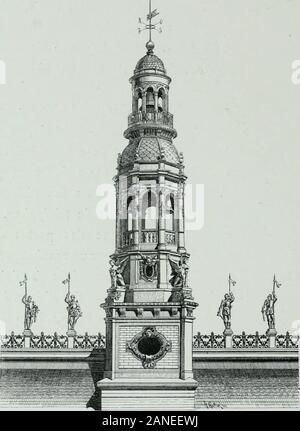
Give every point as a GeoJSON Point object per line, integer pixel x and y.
{"type": "Point", "coordinates": [149, 346]}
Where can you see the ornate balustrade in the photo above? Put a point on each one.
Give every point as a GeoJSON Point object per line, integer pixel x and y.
{"type": "Point", "coordinates": [149, 236]}
{"type": "Point", "coordinates": [200, 341]}
{"type": "Point", "coordinates": [208, 341]}
{"type": "Point", "coordinates": [48, 341]}
{"type": "Point", "coordinates": [170, 238]}
{"type": "Point", "coordinates": [245, 341]}
{"type": "Point", "coordinates": [151, 117]}
{"type": "Point", "coordinates": [127, 239]}
{"type": "Point", "coordinates": [12, 341]}
{"type": "Point", "coordinates": [287, 341]}
{"type": "Point", "coordinates": [53, 341]}
{"type": "Point", "coordinates": [89, 342]}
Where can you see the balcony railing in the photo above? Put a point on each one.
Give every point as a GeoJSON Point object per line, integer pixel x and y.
{"type": "Point", "coordinates": [211, 341]}
{"type": "Point", "coordinates": [256, 340]}
{"type": "Point", "coordinates": [151, 117]}
{"type": "Point", "coordinates": [127, 239]}
{"type": "Point", "coordinates": [170, 238]}
{"type": "Point", "coordinates": [149, 236]}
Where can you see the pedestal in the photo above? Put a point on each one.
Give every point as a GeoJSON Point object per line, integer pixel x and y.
{"type": "Point", "coordinates": [27, 337]}
{"type": "Point", "coordinates": [145, 395]}
{"type": "Point", "coordinates": [228, 333]}
{"type": "Point", "coordinates": [271, 333]}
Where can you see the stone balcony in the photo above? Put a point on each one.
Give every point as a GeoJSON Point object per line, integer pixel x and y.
{"type": "Point", "coordinates": [160, 118]}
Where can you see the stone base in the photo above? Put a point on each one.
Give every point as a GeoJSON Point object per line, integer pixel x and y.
{"type": "Point", "coordinates": [145, 395]}
{"type": "Point", "coordinates": [71, 333]}
{"type": "Point", "coordinates": [28, 333]}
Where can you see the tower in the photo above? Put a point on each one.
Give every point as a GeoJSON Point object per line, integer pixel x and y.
{"type": "Point", "coordinates": [149, 306]}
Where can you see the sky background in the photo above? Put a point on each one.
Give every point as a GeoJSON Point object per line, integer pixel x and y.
{"type": "Point", "coordinates": [63, 111]}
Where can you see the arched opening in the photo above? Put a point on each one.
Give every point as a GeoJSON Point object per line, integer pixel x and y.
{"type": "Point", "coordinates": [130, 214]}
{"type": "Point", "coordinates": [149, 213]}
{"type": "Point", "coordinates": [170, 213]}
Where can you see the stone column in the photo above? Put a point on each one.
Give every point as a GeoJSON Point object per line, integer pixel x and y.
{"type": "Point", "coordinates": [161, 215]}
{"type": "Point", "coordinates": [135, 214]}
{"type": "Point", "coordinates": [186, 339]}
{"type": "Point", "coordinates": [181, 224]}
{"type": "Point", "coordinates": [144, 101]}
{"type": "Point", "coordinates": [156, 101]}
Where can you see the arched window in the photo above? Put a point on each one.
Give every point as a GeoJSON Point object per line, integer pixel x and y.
{"type": "Point", "coordinates": [170, 213]}
{"type": "Point", "coordinates": [149, 213]}
{"type": "Point", "coordinates": [130, 214]}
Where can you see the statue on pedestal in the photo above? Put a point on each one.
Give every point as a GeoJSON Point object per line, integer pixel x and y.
{"type": "Point", "coordinates": [31, 309]}
{"type": "Point", "coordinates": [73, 308]}
{"type": "Point", "coordinates": [226, 305]}
{"type": "Point", "coordinates": [116, 272]}
{"type": "Point", "coordinates": [268, 308]}
{"type": "Point", "coordinates": [179, 272]}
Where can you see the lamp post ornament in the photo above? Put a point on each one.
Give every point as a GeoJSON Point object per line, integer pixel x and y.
{"type": "Point", "coordinates": [31, 309]}
{"type": "Point", "coordinates": [268, 308]}
{"type": "Point", "coordinates": [73, 308]}
{"type": "Point", "coordinates": [226, 305]}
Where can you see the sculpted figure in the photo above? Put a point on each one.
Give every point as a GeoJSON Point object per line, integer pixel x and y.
{"type": "Point", "coordinates": [116, 270]}
{"type": "Point", "coordinates": [179, 272]}
{"type": "Point", "coordinates": [268, 310]}
{"type": "Point", "coordinates": [31, 311]}
{"type": "Point", "coordinates": [74, 310]}
{"type": "Point", "coordinates": [225, 309]}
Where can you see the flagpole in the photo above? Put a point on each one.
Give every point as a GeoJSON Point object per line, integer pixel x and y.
{"type": "Point", "coordinates": [229, 282]}
{"type": "Point", "coordinates": [150, 15]}
{"type": "Point", "coordinates": [274, 281]}
{"type": "Point", "coordinates": [25, 282]}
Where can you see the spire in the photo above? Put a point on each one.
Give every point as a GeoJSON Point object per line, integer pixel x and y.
{"type": "Point", "coordinates": [149, 25]}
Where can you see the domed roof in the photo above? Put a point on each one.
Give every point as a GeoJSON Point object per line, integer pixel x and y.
{"type": "Point", "coordinates": [149, 150]}
{"type": "Point", "coordinates": [150, 61]}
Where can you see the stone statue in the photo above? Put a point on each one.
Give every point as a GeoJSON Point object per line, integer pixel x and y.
{"type": "Point", "coordinates": [31, 309]}
{"type": "Point", "coordinates": [226, 305]}
{"type": "Point", "coordinates": [116, 270]}
{"type": "Point", "coordinates": [73, 308]}
{"type": "Point", "coordinates": [268, 308]}
{"type": "Point", "coordinates": [179, 272]}
{"type": "Point", "coordinates": [74, 311]}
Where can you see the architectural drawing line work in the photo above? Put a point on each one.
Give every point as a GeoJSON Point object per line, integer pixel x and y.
{"type": "Point", "coordinates": [149, 346]}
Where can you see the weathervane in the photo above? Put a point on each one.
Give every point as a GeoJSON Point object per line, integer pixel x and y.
{"type": "Point", "coordinates": [150, 25]}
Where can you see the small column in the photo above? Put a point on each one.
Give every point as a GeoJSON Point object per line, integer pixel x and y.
{"type": "Point", "coordinates": [135, 219]}
{"type": "Point", "coordinates": [271, 333]}
{"type": "Point", "coordinates": [144, 101]}
{"type": "Point", "coordinates": [156, 101]}
{"type": "Point", "coordinates": [161, 216]}
{"type": "Point", "coordinates": [228, 333]}
{"type": "Point", "coordinates": [181, 226]}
